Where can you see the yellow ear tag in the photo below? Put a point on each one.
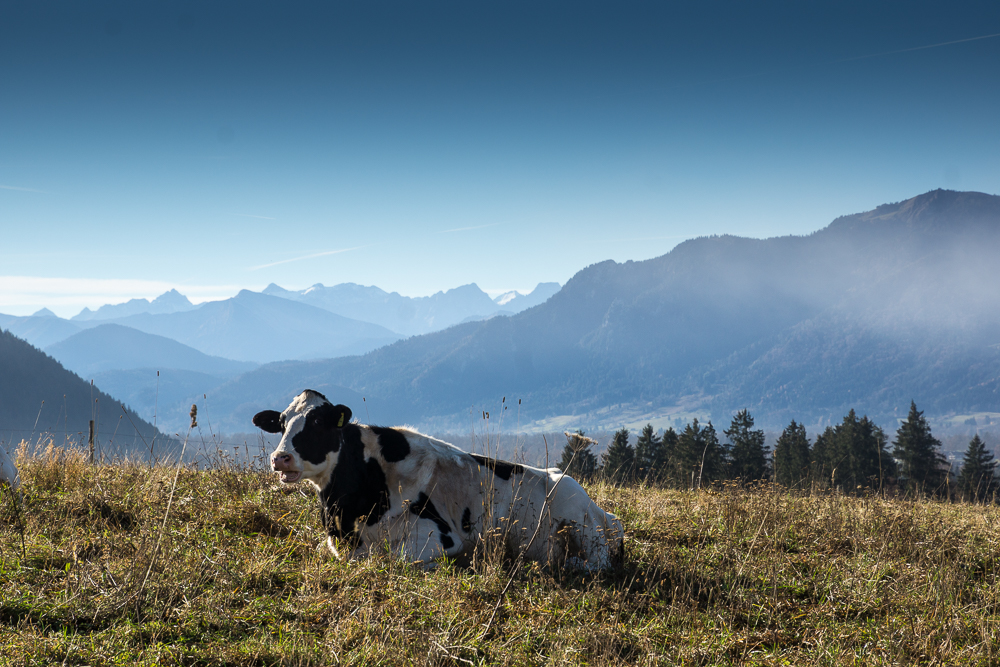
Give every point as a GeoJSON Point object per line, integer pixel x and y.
{"type": "Point", "coordinates": [341, 422]}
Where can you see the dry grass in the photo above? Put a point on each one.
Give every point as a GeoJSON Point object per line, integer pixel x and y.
{"type": "Point", "coordinates": [726, 577]}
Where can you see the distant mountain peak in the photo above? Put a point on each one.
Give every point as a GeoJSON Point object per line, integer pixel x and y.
{"type": "Point", "coordinates": [170, 301]}
{"type": "Point", "coordinates": [516, 302]}
{"type": "Point", "coordinates": [44, 312]}
{"type": "Point", "coordinates": [507, 297]}
{"type": "Point", "coordinates": [172, 297]}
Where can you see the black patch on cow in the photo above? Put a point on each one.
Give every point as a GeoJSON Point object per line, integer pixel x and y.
{"type": "Point", "coordinates": [501, 469]}
{"type": "Point", "coordinates": [467, 520]}
{"type": "Point", "coordinates": [395, 446]}
{"type": "Point", "coordinates": [320, 435]}
{"type": "Point", "coordinates": [269, 421]}
{"type": "Point", "coordinates": [357, 488]}
{"type": "Point", "coordinates": [377, 491]}
{"type": "Point", "coordinates": [425, 509]}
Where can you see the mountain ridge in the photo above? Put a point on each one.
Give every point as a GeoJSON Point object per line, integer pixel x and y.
{"type": "Point", "coordinates": [657, 331]}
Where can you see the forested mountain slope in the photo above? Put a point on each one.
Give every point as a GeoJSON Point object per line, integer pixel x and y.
{"type": "Point", "coordinates": [38, 395]}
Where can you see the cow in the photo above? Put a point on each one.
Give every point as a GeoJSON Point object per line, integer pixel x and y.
{"type": "Point", "coordinates": [423, 499]}
{"type": "Point", "coordinates": [8, 471]}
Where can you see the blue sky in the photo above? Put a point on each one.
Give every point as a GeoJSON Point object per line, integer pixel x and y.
{"type": "Point", "coordinates": [421, 146]}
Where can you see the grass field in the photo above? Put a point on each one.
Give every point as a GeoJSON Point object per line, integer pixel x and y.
{"type": "Point", "coordinates": [94, 570]}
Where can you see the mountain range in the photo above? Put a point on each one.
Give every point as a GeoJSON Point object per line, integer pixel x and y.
{"type": "Point", "coordinates": [159, 356]}
{"type": "Point", "coordinates": [411, 316]}
{"type": "Point", "coordinates": [872, 311]}
{"type": "Point", "coordinates": [878, 308]}
{"type": "Point", "coordinates": [168, 302]}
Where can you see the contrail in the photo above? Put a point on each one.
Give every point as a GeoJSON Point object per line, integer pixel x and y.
{"type": "Point", "coordinates": [299, 259]}
{"type": "Point", "coordinates": [916, 48]}
{"type": "Point", "coordinates": [14, 187]}
{"type": "Point", "coordinates": [805, 66]}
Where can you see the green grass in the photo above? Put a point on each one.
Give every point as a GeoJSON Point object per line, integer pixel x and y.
{"type": "Point", "coordinates": [237, 577]}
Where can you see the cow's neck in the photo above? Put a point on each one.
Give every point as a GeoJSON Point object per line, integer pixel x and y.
{"type": "Point", "coordinates": [356, 487]}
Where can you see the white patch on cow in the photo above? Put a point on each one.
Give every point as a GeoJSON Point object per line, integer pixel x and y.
{"type": "Point", "coordinates": [8, 471]}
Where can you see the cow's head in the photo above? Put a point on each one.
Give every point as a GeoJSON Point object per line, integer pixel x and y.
{"type": "Point", "coordinates": [311, 436]}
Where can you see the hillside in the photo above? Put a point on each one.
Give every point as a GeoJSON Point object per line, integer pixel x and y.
{"type": "Point", "coordinates": [877, 308]}
{"type": "Point", "coordinates": [114, 347]}
{"type": "Point", "coordinates": [39, 330]}
{"type": "Point", "coordinates": [38, 395]}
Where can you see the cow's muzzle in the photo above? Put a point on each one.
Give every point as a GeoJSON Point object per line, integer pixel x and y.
{"type": "Point", "coordinates": [282, 463]}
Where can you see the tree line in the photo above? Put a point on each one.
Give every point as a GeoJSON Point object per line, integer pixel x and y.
{"type": "Point", "coordinates": [852, 456]}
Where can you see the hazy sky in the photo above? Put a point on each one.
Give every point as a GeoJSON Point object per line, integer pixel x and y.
{"type": "Point", "coordinates": [419, 146]}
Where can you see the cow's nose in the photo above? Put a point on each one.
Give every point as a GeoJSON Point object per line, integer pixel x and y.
{"type": "Point", "coordinates": [279, 461]}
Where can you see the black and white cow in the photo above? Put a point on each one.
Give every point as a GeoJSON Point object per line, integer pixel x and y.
{"type": "Point", "coordinates": [422, 498]}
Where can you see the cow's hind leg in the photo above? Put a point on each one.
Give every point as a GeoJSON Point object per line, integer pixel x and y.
{"type": "Point", "coordinates": [423, 546]}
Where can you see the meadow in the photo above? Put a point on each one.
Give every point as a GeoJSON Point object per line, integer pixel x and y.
{"type": "Point", "coordinates": [128, 563]}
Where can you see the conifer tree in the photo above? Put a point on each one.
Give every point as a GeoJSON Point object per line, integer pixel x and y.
{"type": "Point", "coordinates": [668, 453]}
{"type": "Point", "coordinates": [819, 457]}
{"type": "Point", "coordinates": [747, 453]}
{"type": "Point", "coordinates": [687, 458]}
{"type": "Point", "coordinates": [578, 458]}
{"type": "Point", "coordinates": [699, 458]}
{"type": "Point", "coordinates": [919, 454]}
{"type": "Point", "coordinates": [618, 463]}
{"type": "Point", "coordinates": [649, 455]}
{"type": "Point", "coordinates": [714, 460]}
{"type": "Point", "coordinates": [854, 454]}
{"type": "Point", "coordinates": [977, 480]}
{"type": "Point", "coordinates": [791, 456]}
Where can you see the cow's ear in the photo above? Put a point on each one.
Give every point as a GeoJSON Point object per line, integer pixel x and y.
{"type": "Point", "coordinates": [342, 416]}
{"type": "Point", "coordinates": [268, 420]}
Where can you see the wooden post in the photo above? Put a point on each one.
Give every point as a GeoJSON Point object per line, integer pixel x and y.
{"type": "Point", "coordinates": [91, 441]}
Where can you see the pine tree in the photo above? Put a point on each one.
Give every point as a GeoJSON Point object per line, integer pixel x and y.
{"type": "Point", "coordinates": [578, 458]}
{"type": "Point", "coordinates": [918, 453]}
{"type": "Point", "coordinates": [618, 463]}
{"type": "Point", "coordinates": [687, 456]}
{"type": "Point", "coordinates": [699, 458]}
{"type": "Point", "coordinates": [855, 454]}
{"type": "Point", "coordinates": [714, 460]}
{"type": "Point", "coordinates": [649, 455]}
{"type": "Point", "coordinates": [791, 456]}
{"type": "Point", "coordinates": [748, 453]}
{"type": "Point", "coordinates": [668, 452]}
{"type": "Point", "coordinates": [819, 457]}
{"type": "Point", "coordinates": [977, 480]}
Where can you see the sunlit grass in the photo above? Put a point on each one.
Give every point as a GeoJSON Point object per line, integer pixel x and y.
{"type": "Point", "coordinates": [723, 577]}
